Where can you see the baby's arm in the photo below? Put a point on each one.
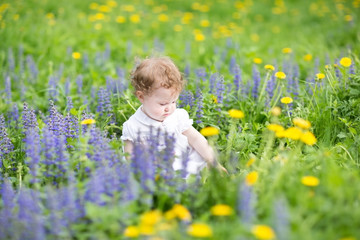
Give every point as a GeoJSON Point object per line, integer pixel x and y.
{"type": "Point", "coordinates": [201, 145]}
{"type": "Point", "coordinates": [128, 148]}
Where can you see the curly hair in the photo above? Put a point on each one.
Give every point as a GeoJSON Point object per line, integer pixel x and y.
{"type": "Point", "coordinates": [156, 72]}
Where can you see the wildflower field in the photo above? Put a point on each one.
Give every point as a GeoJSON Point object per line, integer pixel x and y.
{"type": "Point", "coordinates": [274, 85]}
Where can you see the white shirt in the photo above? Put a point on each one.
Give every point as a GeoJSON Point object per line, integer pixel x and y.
{"type": "Point", "coordinates": [176, 124]}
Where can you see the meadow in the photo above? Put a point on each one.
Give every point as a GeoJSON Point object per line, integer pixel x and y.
{"type": "Point", "coordinates": [274, 85]}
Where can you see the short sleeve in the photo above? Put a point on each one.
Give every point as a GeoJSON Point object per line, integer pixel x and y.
{"type": "Point", "coordinates": [127, 133]}
{"type": "Point", "coordinates": [184, 121]}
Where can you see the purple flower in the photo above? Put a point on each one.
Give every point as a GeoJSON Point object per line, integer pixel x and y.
{"type": "Point", "coordinates": [281, 219]}
{"type": "Point", "coordinates": [212, 81]}
{"type": "Point", "coordinates": [237, 78]}
{"type": "Point", "coordinates": [220, 87]}
{"type": "Point", "coordinates": [8, 89]}
{"type": "Point", "coordinates": [6, 145]}
{"type": "Point", "coordinates": [256, 81]}
{"type": "Point", "coordinates": [104, 105]}
{"type": "Point", "coordinates": [246, 204]}
{"type": "Point", "coordinates": [32, 151]}
{"type": "Point", "coordinates": [55, 121]}
{"type": "Point", "coordinates": [28, 118]}
{"type": "Point", "coordinates": [199, 106]}
{"type": "Point", "coordinates": [6, 214]}
{"type": "Point", "coordinates": [79, 83]}
{"type": "Point", "coordinates": [11, 60]}
{"type": "Point", "coordinates": [31, 65]}
{"type": "Point", "coordinates": [85, 61]}
{"type": "Point", "coordinates": [186, 99]}
{"type": "Point", "coordinates": [233, 66]}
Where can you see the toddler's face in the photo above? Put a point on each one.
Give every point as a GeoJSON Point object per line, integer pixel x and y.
{"type": "Point", "coordinates": [160, 104]}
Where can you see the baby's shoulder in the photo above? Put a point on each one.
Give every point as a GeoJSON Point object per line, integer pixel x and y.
{"type": "Point", "coordinates": [181, 113]}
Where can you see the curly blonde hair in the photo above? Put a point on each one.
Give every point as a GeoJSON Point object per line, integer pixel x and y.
{"type": "Point", "coordinates": [156, 72]}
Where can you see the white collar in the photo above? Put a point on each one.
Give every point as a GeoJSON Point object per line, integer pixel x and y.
{"type": "Point", "coordinates": [145, 119]}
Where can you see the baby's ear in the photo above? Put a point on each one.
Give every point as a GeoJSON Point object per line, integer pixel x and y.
{"type": "Point", "coordinates": [140, 96]}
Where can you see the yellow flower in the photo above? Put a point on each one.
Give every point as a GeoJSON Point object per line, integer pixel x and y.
{"type": "Point", "coordinates": [199, 37]}
{"type": "Point", "coordinates": [147, 230]}
{"type": "Point", "coordinates": [280, 75]}
{"type": "Point", "coordinates": [275, 127]}
{"type": "Point", "coordinates": [76, 55]}
{"type": "Point", "coordinates": [120, 19]}
{"type": "Point", "coordinates": [301, 123]}
{"type": "Point", "coordinates": [308, 138]}
{"type": "Point", "coordinates": [131, 232]}
{"type": "Point", "coordinates": [263, 232]}
{"type": "Point", "coordinates": [310, 181]}
{"type": "Point", "coordinates": [128, 8]}
{"type": "Point", "coordinates": [276, 111]}
{"type": "Point", "coordinates": [286, 50]}
{"type": "Point", "coordinates": [345, 61]}
{"type": "Point", "coordinates": [308, 57]}
{"type": "Point", "coordinates": [250, 162]}
{"type": "Point", "coordinates": [209, 131]}
{"type": "Point", "coordinates": [104, 8]}
{"type": "Point", "coordinates": [87, 121]}
{"type": "Point", "coordinates": [286, 100]}
{"type": "Point", "coordinates": [163, 17]}
{"type": "Point", "coordinates": [181, 212]}
{"type": "Point", "coordinates": [251, 178]}
{"type": "Point", "coordinates": [135, 18]}
{"type": "Point", "coordinates": [348, 18]}
{"type": "Point", "coordinates": [293, 133]}
{"type": "Point", "coordinates": [257, 60]}
{"type": "Point", "coordinates": [151, 217]}
{"type": "Point", "coordinates": [320, 76]}
{"type": "Point", "coordinates": [221, 210]}
{"type": "Point", "coordinates": [199, 230]}
{"type": "Point", "coordinates": [213, 97]}
{"type": "Point", "coordinates": [177, 28]}
{"type": "Point", "coordinates": [98, 26]}
{"type": "Point", "coordinates": [234, 113]}
{"type": "Point", "coordinates": [269, 67]}
{"type": "Point", "coordinates": [205, 23]}
{"type": "Point", "coordinates": [93, 6]}
{"type": "Point", "coordinates": [280, 134]}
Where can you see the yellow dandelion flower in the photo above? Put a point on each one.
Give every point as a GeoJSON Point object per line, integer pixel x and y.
{"type": "Point", "coordinates": [286, 100]}
{"type": "Point", "coordinates": [98, 26]}
{"type": "Point", "coordinates": [255, 37]}
{"type": "Point", "coordinates": [120, 19]}
{"type": "Point", "coordinates": [150, 217]}
{"type": "Point", "coordinates": [221, 210]}
{"type": "Point", "coordinates": [310, 181]}
{"type": "Point", "coordinates": [276, 111]}
{"type": "Point", "coordinates": [163, 18]}
{"type": "Point", "coordinates": [169, 215]}
{"type": "Point", "coordinates": [301, 123]}
{"type": "Point", "coordinates": [250, 162]}
{"type": "Point", "coordinates": [204, 8]}
{"type": "Point", "coordinates": [234, 113]}
{"type": "Point", "coordinates": [111, 3]}
{"type": "Point", "coordinates": [204, 23]}
{"type": "Point", "coordinates": [199, 37]}
{"type": "Point", "coordinates": [287, 50]}
{"type": "Point", "coordinates": [263, 232]}
{"type": "Point", "coordinates": [280, 134]}
{"type": "Point", "coordinates": [93, 6]}
{"type": "Point", "coordinates": [293, 133]}
{"type": "Point", "coordinates": [178, 28]}
{"type": "Point", "coordinates": [104, 8]}
{"type": "Point", "coordinates": [209, 131]}
{"type": "Point", "coordinates": [146, 230]}
{"type": "Point", "coordinates": [348, 18]}
{"type": "Point", "coordinates": [269, 67]}
{"type": "Point", "coordinates": [308, 138]}
{"type": "Point", "coordinates": [280, 75]}
{"type": "Point", "coordinates": [257, 60]}
{"type": "Point", "coordinates": [308, 57]}
{"type": "Point", "coordinates": [131, 232]}
{"type": "Point", "coordinates": [200, 230]}
{"type": "Point", "coordinates": [181, 212]}
{"type": "Point", "coordinates": [213, 97]}
{"type": "Point", "coordinates": [275, 127]}
{"type": "Point", "coordinates": [128, 8]}
{"type": "Point", "coordinates": [345, 61]}
{"type": "Point", "coordinates": [135, 18]}
{"type": "Point", "coordinates": [251, 178]}
{"type": "Point", "coordinates": [320, 76]}
{"type": "Point", "coordinates": [76, 55]}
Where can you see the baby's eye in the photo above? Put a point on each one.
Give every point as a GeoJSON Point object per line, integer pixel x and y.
{"type": "Point", "coordinates": [162, 104]}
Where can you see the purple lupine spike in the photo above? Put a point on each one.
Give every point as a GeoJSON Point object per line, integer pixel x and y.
{"type": "Point", "coordinates": [11, 60]}
{"type": "Point", "coordinates": [256, 80]}
{"type": "Point", "coordinates": [104, 103]}
{"type": "Point", "coordinates": [201, 74]}
{"type": "Point", "coordinates": [6, 145]}
{"type": "Point", "coordinates": [352, 69]}
{"type": "Point", "coordinates": [271, 86]}
{"type": "Point", "coordinates": [107, 53]}
{"type": "Point", "coordinates": [71, 201]}
{"type": "Point", "coordinates": [233, 65]}
{"type": "Point", "coordinates": [71, 127]}
{"type": "Point", "coordinates": [237, 77]}
{"type": "Point", "coordinates": [32, 152]}
{"type": "Point", "coordinates": [21, 59]}
{"type": "Point", "coordinates": [186, 98]}
{"type": "Point", "coordinates": [169, 152]}
{"type": "Point", "coordinates": [246, 204]}
{"type": "Point", "coordinates": [28, 118]}
{"type": "Point", "coordinates": [6, 213]}
{"type": "Point", "coordinates": [48, 141]}
{"type": "Point", "coordinates": [85, 61]}
{"type": "Point", "coordinates": [8, 89]}
{"type": "Point", "coordinates": [79, 83]}
{"type": "Point", "coordinates": [212, 82]}
{"type": "Point", "coordinates": [55, 120]}
{"type": "Point", "coordinates": [53, 87]}
{"type": "Point", "coordinates": [67, 86]}
{"type": "Point", "coordinates": [220, 87]}
{"type": "Point", "coordinates": [69, 104]}
{"type": "Point", "coordinates": [158, 45]}
{"type": "Point", "coordinates": [199, 108]}
{"type": "Point", "coordinates": [30, 215]}
{"type": "Point", "coordinates": [55, 218]}
{"type": "Point", "coordinates": [96, 187]}
{"type": "Point", "coordinates": [14, 114]}
{"type": "Point", "coordinates": [281, 219]}
{"type": "Point", "coordinates": [98, 59]}
{"type": "Point", "coordinates": [184, 162]}
{"type": "Point", "coordinates": [32, 68]}
{"type": "Point", "coordinates": [187, 70]}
